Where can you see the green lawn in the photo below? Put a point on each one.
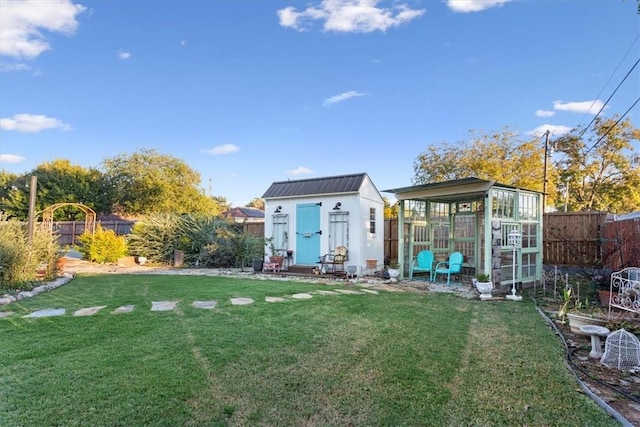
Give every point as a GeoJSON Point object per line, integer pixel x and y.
{"type": "Point", "coordinates": [388, 359]}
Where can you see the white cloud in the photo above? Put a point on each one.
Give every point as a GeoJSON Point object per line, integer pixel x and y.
{"type": "Point", "coordinates": [342, 97]}
{"type": "Point", "coordinates": [32, 123]}
{"type": "Point", "coordinates": [16, 66]}
{"type": "Point", "coordinates": [22, 23]}
{"type": "Point", "coordinates": [123, 55]}
{"type": "Point", "coordinates": [11, 158]}
{"type": "Point", "coordinates": [223, 149]}
{"type": "Point", "coordinates": [554, 130]}
{"type": "Point", "coordinates": [474, 5]}
{"type": "Point", "coordinates": [545, 113]}
{"type": "Point", "coordinates": [300, 170]}
{"type": "Point", "coordinates": [591, 107]}
{"type": "Point", "coordinates": [348, 16]}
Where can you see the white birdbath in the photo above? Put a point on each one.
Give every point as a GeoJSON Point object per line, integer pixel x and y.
{"type": "Point", "coordinates": [596, 332]}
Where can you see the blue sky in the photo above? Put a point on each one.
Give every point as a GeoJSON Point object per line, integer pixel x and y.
{"type": "Point", "coordinates": [248, 92]}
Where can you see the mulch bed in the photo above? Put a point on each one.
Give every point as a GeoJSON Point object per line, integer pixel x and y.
{"type": "Point", "coordinates": [619, 389]}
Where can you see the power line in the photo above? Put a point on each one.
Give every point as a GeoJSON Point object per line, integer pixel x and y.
{"type": "Point", "coordinates": [612, 126]}
{"type": "Point", "coordinates": [609, 99]}
{"type": "Point", "coordinates": [609, 80]}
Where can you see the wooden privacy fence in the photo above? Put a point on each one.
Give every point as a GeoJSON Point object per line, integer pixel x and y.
{"type": "Point", "coordinates": [621, 243]}
{"type": "Point", "coordinates": [69, 231]}
{"type": "Point", "coordinates": [572, 238]}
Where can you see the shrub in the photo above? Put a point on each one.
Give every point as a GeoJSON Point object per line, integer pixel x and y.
{"type": "Point", "coordinates": [206, 241]}
{"type": "Point", "coordinates": [20, 261]}
{"type": "Point", "coordinates": [102, 246]}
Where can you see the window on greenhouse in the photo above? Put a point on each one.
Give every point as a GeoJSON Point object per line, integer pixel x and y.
{"type": "Point", "coordinates": [438, 212]}
{"type": "Point", "coordinates": [503, 205]}
{"type": "Point", "coordinates": [529, 236]}
{"type": "Point", "coordinates": [528, 207]}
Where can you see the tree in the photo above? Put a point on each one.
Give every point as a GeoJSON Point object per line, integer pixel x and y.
{"type": "Point", "coordinates": [501, 156]}
{"type": "Point", "coordinates": [58, 181]}
{"type": "Point", "coordinates": [147, 182]}
{"type": "Point", "coordinates": [390, 211]}
{"type": "Point", "coordinates": [600, 169]}
{"type": "Point", "coordinates": [256, 203]}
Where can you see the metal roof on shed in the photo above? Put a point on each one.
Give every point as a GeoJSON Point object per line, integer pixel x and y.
{"type": "Point", "coordinates": [315, 186]}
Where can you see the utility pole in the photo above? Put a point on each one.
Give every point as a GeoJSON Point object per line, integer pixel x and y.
{"type": "Point", "coordinates": [32, 208]}
{"type": "Point", "coordinates": [544, 182]}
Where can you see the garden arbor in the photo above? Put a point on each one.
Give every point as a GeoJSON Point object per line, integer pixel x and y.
{"type": "Point", "coordinates": [473, 216]}
{"type": "Point", "coordinates": [89, 216]}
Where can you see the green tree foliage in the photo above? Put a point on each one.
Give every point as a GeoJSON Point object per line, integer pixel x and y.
{"type": "Point", "coordinates": [500, 156]}
{"type": "Point", "coordinates": [57, 182]}
{"type": "Point", "coordinates": [256, 203]}
{"type": "Point", "coordinates": [147, 182]}
{"type": "Point", "coordinates": [600, 169]}
{"type": "Point", "coordinates": [206, 241]}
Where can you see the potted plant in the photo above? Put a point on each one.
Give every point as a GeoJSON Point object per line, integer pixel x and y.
{"type": "Point", "coordinates": [275, 254]}
{"type": "Point", "coordinates": [394, 270]}
{"type": "Point", "coordinates": [484, 285]}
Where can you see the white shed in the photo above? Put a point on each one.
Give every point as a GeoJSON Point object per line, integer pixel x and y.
{"type": "Point", "coordinates": [312, 217]}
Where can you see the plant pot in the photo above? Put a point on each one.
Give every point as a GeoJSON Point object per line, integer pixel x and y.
{"type": "Point", "coordinates": [257, 264]}
{"type": "Point", "coordinates": [576, 320]}
{"type": "Point", "coordinates": [604, 297]}
{"type": "Point", "coordinates": [277, 259]}
{"type": "Point", "coordinates": [485, 289]}
{"type": "Point", "coordinates": [394, 273]}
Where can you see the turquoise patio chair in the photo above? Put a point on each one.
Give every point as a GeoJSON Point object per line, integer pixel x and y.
{"type": "Point", "coordinates": [422, 264]}
{"type": "Point", "coordinates": [452, 266]}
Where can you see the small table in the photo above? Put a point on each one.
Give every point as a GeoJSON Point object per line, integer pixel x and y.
{"type": "Point", "coordinates": [596, 332]}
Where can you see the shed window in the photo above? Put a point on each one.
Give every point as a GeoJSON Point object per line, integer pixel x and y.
{"type": "Point", "coordinates": [372, 220]}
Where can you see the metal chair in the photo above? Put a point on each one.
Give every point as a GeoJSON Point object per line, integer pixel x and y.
{"type": "Point", "coordinates": [422, 264]}
{"type": "Point", "coordinates": [452, 266]}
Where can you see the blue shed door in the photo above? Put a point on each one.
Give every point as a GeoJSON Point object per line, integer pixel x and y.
{"type": "Point", "coordinates": [308, 233]}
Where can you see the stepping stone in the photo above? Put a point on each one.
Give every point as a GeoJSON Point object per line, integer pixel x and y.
{"type": "Point", "coordinates": [204, 304]}
{"type": "Point", "coordinates": [163, 305]}
{"type": "Point", "coordinates": [274, 299]}
{"type": "Point", "coordinates": [5, 314]}
{"type": "Point", "coordinates": [123, 309]}
{"type": "Point", "coordinates": [327, 293]}
{"type": "Point", "coordinates": [301, 296]}
{"type": "Point", "coordinates": [49, 312]}
{"type": "Point", "coordinates": [241, 301]}
{"type": "Point", "coordinates": [370, 291]}
{"type": "Point", "coordinates": [349, 292]}
{"type": "Point", "coordinates": [88, 311]}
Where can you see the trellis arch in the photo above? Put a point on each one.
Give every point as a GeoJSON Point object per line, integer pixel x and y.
{"type": "Point", "coordinates": [89, 216]}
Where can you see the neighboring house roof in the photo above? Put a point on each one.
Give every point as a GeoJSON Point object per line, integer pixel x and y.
{"type": "Point", "coordinates": [316, 186]}
{"type": "Point", "coordinates": [248, 214]}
